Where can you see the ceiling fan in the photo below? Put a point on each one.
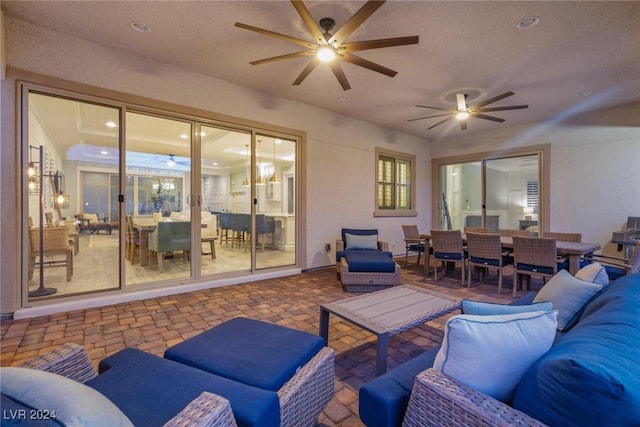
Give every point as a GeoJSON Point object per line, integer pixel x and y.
{"type": "Point", "coordinates": [333, 48]}
{"type": "Point", "coordinates": [464, 111]}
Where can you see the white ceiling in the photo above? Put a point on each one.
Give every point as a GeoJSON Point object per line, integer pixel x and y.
{"type": "Point", "coordinates": [472, 46]}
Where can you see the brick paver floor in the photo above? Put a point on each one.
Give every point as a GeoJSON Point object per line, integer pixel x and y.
{"type": "Point", "coordinates": [155, 324]}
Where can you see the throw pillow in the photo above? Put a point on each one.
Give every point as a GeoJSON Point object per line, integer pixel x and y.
{"type": "Point", "coordinates": [569, 296]}
{"type": "Point", "coordinates": [71, 402]}
{"type": "Point", "coordinates": [480, 308]}
{"type": "Point", "coordinates": [595, 273]}
{"type": "Point", "coordinates": [492, 353]}
{"type": "Point", "coordinates": [355, 241]}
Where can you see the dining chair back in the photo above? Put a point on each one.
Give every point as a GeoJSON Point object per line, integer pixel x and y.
{"type": "Point", "coordinates": [565, 237]}
{"type": "Point", "coordinates": [508, 232]}
{"type": "Point", "coordinates": [447, 248]}
{"type": "Point", "coordinates": [413, 243]}
{"type": "Point", "coordinates": [485, 253]}
{"type": "Point", "coordinates": [534, 256]}
{"type": "Point", "coordinates": [475, 230]}
{"type": "Point", "coordinates": [132, 239]}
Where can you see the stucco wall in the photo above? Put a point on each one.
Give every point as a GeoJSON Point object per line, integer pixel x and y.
{"type": "Point", "coordinates": [340, 151]}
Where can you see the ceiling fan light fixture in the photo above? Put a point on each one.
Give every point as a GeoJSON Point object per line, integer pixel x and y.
{"type": "Point", "coordinates": [462, 115]}
{"type": "Point", "coordinates": [326, 54]}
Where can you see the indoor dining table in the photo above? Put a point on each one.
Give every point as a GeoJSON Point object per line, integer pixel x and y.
{"type": "Point", "coordinates": [572, 250]}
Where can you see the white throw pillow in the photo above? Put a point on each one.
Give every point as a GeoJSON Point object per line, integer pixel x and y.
{"type": "Point", "coordinates": [72, 403]}
{"type": "Point", "coordinates": [356, 241]}
{"type": "Point", "coordinates": [595, 273]}
{"type": "Point", "coordinates": [568, 295]}
{"type": "Point", "coordinates": [492, 353]}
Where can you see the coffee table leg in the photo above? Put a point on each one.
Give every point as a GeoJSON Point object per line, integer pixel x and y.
{"type": "Point", "coordinates": [324, 325]}
{"type": "Point", "coordinates": [381, 358]}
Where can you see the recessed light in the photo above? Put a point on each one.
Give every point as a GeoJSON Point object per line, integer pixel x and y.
{"type": "Point", "coordinates": [526, 23]}
{"type": "Point", "coordinates": [140, 27]}
{"type": "Point", "coordinates": [104, 152]}
{"type": "Point", "coordinates": [111, 125]}
{"type": "Point", "coordinates": [345, 98]}
{"type": "Point", "coordinates": [585, 93]}
{"type": "Point", "coordinates": [184, 136]}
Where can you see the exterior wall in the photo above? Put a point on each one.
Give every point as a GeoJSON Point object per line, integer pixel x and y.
{"type": "Point", "coordinates": [339, 158]}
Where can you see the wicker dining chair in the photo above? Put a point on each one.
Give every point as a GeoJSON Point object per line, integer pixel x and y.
{"type": "Point", "coordinates": [413, 243]}
{"type": "Point", "coordinates": [132, 240]}
{"type": "Point", "coordinates": [565, 237]}
{"type": "Point", "coordinates": [56, 244]}
{"type": "Point", "coordinates": [508, 232]}
{"type": "Point", "coordinates": [534, 256]}
{"type": "Point", "coordinates": [485, 252]}
{"type": "Point", "coordinates": [475, 230]}
{"type": "Point", "coordinates": [447, 247]}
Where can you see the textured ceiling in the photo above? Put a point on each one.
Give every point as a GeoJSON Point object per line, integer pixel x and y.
{"type": "Point", "coordinates": [473, 47]}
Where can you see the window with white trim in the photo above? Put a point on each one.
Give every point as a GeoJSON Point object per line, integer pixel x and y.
{"type": "Point", "coordinates": [395, 183]}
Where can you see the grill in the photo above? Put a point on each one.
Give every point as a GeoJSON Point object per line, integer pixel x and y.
{"type": "Point", "coordinates": [629, 237]}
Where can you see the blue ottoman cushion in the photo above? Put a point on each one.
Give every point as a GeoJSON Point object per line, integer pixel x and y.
{"type": "Point", "coordinates": [370, 262]}
{"type": "Point", "coordinates": [252, 352]}
{"type": "Point", "coordinates": [383, 401]}
{"type": "Point", "coordinates": [151, 390]}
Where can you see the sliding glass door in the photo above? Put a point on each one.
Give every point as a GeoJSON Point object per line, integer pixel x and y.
{"type": "Point", "coordinates": [490, 192]}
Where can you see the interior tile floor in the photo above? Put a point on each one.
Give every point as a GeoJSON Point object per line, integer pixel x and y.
{"type": "Point", "coordinates": [158, 323]}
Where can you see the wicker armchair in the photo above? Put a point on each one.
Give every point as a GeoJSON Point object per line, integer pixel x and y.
{"type": "Point", "coordinates": [617, 266]}
{"type": "Point", "coordinates": [437, 400]}
{"type": "Point", "coordinates": [72, 361]}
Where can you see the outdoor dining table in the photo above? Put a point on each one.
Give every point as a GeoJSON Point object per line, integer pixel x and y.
{"type": "Point", "coordinates": [572, 250]}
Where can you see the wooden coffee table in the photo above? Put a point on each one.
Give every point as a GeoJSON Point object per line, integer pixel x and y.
{"type": "Point", "coordinates": [388, 312]}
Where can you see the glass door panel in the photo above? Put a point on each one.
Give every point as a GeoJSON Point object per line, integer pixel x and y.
{"type": "Point", "coordinates": [512, 192]}
{"type": "Point", "coordinates": [72, 166]}
{"type": "Point", "coordinates": [275, 234]}
{"type": "Point", "coordinates": [225, 200]}
{"type": "Point", "coordinates": [159, 219]}
{"type": "Point", "coordinates": [461, 197]}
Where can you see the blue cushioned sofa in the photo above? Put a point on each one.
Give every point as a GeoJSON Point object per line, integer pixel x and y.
{"type": "Point", "coordinates": [589, 377]}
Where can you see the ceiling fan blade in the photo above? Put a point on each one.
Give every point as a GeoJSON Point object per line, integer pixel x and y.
{"type": "Point", "coordinates": [439, 123]}
{"type": "Point", "coordinates": [510, 107]}
{"type": "Point", "coordinates": [462, 103]}
{"type": "Point", "coordinates": [463, 124]}
{"type": "Point", "coordinates": [311, 24]}
{"type": "Point", "coordinates": [308, 69]}
{"type": "Point", "coordinates": [378, 44]}
{"type": "Point", "coordinates": [484, 116]}
{"type": "Point", "coordinates": [277, 35]}
{"type": "Point", "coordinates": [437, 108]}
{"type": "Point", "coordinates": [428, 117]}
{"type": "Point", "coordinates": [283, 57]}
{"type": "Point", "coordinates": [494, 99]}
{"type": "Point", "coordinates": [356, 60]}
{"type": "Point", "coordinates": [339, 73]}
{"type": "Point", "coordinates": [355, 21]}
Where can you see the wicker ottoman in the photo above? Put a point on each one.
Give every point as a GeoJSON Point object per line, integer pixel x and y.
{"type": "Point", "coordinates": [363, 281]}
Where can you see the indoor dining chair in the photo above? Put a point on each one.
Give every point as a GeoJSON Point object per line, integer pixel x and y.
{"type": "Point", "coordinates": [565, 237]}
{"type": "Point", "coordinates": [447, 248]}
{"type": "Point", "coordinates": [485, 253]}
{"type": "Point", "coordinates": [468, 229]}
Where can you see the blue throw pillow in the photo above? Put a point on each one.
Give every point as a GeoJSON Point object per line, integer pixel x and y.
{"type": "Point", "coordinates": [69, 402]}
{"type": "Point", "coordinates": [480, 308]}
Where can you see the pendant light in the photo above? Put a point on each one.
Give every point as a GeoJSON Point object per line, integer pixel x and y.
{"type": "Point", "coordinates": [274, 178]}
{"type": "Point", "coordinates": [247, 180]}
{"type": "Point", "coordinates": [260, 180]}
